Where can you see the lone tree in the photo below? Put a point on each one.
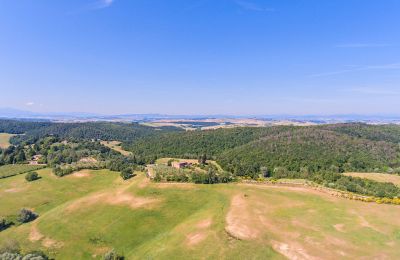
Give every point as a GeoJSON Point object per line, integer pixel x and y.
{"type": "Point", "coordinates": [31, 176]}
{"type": "Point", "coordinates": [202, 159]}
{"type": "Point", "coordinates": [126, 173]}
{"type": "Point", "coordinates": [26, 215]}
{"type": "Point", "coordinates": [265, 172]}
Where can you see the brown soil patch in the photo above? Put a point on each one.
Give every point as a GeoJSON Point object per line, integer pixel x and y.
{"type": "Point", "coordinates": [339, 227]}
{"type": "Point", "coordinates": [88, 160]}
{"type": "Point", "coordinates": [35, 234]}
{"type": "Point", "coordinates": [13, 190]}
{"type": "Point", "coordinates": [290, 251]}
{"type": "Point", "coordinates": [204, 223]}
{"type": "Point", "coordinates": [80, 174]}
{"type": "Point", "coordinates": [167, 185]}
{"type": "Point", "coordinates": [113, 198]}
{"type": "Point", "coordinates": [51, 243]}
{"type": "Point", "coordinates": [195, 238]}
{"type": "Point", "coordinates": [238, 220]}
{"type": "Point", "coordinates": [144, 183]}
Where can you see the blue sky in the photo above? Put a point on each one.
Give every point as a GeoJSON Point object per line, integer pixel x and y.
{"type": "Point", "coordinates": [201, 56]}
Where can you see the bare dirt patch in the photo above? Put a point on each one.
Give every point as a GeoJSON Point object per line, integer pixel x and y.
{"type": "Point", "coordinates": [200, 234]}
{"type": "Point", "coordinates": [144, 183]}
{"type": "Point", "coordinates": [167, 185]}
{"type": "Point", "coordinates": [80, 174]}
{"type": "Point", "coordinates": [13, 190]}
{"type": "Point", "coordinates": [35, 235]}
{"type": "Point", "coordinates": [339, 227]}
{"type": "Point", "coordinates": [51, 243]}
{"type": "Point", "coordinates": [238, 220]}
{"type": "Point", "coordinates": [204, 223]}
{"type": "Point", "coordinates": [290, 251]}
{"type": "Point", "coordinates": [195, 238]}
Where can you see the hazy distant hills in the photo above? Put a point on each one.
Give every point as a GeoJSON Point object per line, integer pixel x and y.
{"type": "Point", "coordinates": [85, 117]}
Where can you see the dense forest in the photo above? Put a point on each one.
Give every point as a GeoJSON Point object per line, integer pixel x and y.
{"type": "Point", "coordinates": [123, 132]}
{"type": "Point", "coordinates": [311, 149]}
{"type": "Point", "coordinates": [314, 152]}
{"type": "Point", "coordinates": [191, 144]}
{"type": "Point", "coordinates": [243, 151]}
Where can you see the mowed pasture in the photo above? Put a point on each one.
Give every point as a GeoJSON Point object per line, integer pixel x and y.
{"type": "Point", "coordinates": [15, 169]}
{"type": "Point", "coordinates": [5, 140]}
{"type": "Point", "coordinates": [82, 216]}
{"type": "Point", "coordinates": [380, 177]}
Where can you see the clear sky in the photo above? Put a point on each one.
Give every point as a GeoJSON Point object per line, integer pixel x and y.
{"type": "Point", "coordinates": [201, 56]}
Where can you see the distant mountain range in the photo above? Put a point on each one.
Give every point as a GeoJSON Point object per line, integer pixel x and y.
{"type": "Point", "coordinates": [11, 113]}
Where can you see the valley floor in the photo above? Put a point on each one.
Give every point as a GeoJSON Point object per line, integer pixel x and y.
{"type": "Point", "coordinates": [84, 215]}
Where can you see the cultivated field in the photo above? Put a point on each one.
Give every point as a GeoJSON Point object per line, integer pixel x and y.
{"type": "Point", "coordinates": [115, 145]}
{"type": "Point", "coordinates": [11, 170]}
{"type": "Point", "coordinates": [5, 140]}
{"type": "Point", "coordinates": [141, 219]}
{"type": "Point", "coordinates": [381, 177]}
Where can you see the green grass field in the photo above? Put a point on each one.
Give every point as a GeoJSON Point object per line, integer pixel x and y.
{"type": "Point", "coordinates": [82, 216]}
{"type": "Point", "coordinates": [11, 170]}
{"type": "Point", "coordinates": [5, 140]}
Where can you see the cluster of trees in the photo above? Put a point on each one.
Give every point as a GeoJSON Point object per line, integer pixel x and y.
{"type": "Point", "coordinates": [13, 155]}
{"type": "Point", "coordinates": [169, 174]}
{"type": "Point", "coordinates": [66, 169]}
{"type": "Point", "coordinates": [24, 216]}
{"type": "Point", "coordinates": [117, 163]}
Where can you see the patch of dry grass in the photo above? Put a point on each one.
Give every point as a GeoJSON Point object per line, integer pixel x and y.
{"type": "Point", "coordinates": [380, 177]}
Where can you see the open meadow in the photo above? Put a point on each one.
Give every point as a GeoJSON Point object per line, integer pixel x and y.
{"type": "Point", "coordinates": [5, 140]}
{"type": "Point", "coordinates": [11, 170]}
{"type": "Point", "coordinates": [116, 146]}
{"type": "Point", "coordinates": [88, 213]}
{"type": "Point", "coordinates": [380, 177]}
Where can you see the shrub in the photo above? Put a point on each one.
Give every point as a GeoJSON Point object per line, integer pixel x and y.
{"type": "Point", "coordinates": [26, 215]}
{"type": "Point", "coordinates": [112, 255]}
{"type": "Point", "coordinates": [126, 173]}
{"type": "Point", "coordinates": [4, 223]}
{"type": "Point", "coordinates": [31, 176]}
{"type": "Point", "coordinates": [18, 256]}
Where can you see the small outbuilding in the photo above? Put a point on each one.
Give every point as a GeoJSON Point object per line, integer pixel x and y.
{"type": "Point", "coordinates": [180, 165]}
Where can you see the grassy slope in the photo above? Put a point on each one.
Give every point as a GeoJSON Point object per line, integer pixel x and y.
{"type": "Point", "coordinates": [11, 170]}
{"type": "Point", "coordinates": [381, 177]}
{"type": "Point", "coordinates": [116, 146]}
{"type": "Point", "coordinates": [302, 220]}
{"type": "Point", "coordinates": [5, 140]}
